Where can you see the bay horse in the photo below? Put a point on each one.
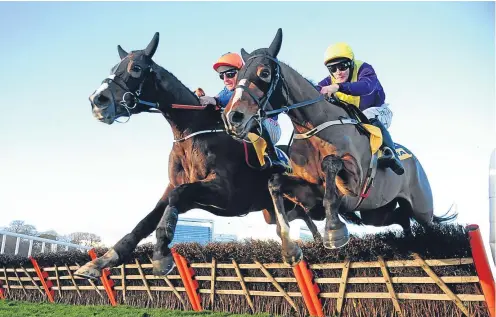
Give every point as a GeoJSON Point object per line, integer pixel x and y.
{"type": "Point", "coordinates": [207, 167]}
{"type": "Point", "coordinates": [331, 149]}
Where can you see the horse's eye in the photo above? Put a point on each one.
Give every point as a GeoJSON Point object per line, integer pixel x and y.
{"type": "Point", "coordinates": [264, 74]}
{"type": "Point", "coordinates": [136, 68]}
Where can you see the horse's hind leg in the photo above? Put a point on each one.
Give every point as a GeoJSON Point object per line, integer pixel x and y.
{"type": "Point", "coordinates": [390, 215]}
{"type": "Point", "coordinates": [125, 246]}
{"type": "Point", "coordinates": [336, 234]}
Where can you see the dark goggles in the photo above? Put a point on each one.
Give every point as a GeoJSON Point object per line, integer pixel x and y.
{"type": "Point", "coordinates": [344, 65]}
{"type": "Point", "coordinates": [229, 74]}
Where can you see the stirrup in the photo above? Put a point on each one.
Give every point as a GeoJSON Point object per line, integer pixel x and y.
{"type": "Point", "coordinates": [387, 153]}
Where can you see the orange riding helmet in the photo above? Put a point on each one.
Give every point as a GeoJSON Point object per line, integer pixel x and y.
{"type": "Point", "coordinates": [229, 60]}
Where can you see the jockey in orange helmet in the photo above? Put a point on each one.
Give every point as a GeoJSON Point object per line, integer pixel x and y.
{"type": "Point", "coordinates": [227, 66]}
{"type": "Point", "coordinates": [356, 83]}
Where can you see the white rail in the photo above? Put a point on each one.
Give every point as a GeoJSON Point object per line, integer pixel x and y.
{"type": "Point", "coordinates": [53, 243]}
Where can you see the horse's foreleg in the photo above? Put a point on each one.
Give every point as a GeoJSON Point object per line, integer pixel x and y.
{"type": "Point", "coordinates": [126, 245]}
{"type": "Point", "coordinates": [291, 253]}
{"type": "Point", "coordinates": [336, 234]}
{"type": "Point", "coordinates": [182, 199]}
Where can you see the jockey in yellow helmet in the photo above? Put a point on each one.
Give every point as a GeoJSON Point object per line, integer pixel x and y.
{"type": "Point", "coordinates": [356, 83]}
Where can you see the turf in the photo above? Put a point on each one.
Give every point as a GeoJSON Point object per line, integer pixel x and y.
{"type": "Point", "coordinates": [17, 308]}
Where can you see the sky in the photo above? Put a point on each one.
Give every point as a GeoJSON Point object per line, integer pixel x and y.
{"type": "Point", "coordinates": [61, 169]}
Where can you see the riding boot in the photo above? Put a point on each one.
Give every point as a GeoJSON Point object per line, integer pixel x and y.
{"type": "Point", "coordinates": [274, 163]}
{"type": "Point", "coordinates": [390, 157]}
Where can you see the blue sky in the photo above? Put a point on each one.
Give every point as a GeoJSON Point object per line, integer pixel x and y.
{"type": "Point", "coordinates": [63, 170]}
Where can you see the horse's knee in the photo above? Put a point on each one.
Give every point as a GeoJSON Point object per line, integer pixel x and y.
{"type": "Point", "coordinates": [275, 184]}
{"type": "Point", "coordinates": [167, 225]}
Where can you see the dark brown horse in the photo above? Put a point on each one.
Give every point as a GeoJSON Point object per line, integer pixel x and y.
{"type": "Point", "coordinates": [207, 167]}
{"type": "Point", "coordinates": [331, 149]}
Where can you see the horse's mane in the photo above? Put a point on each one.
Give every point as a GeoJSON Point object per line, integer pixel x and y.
{"type": "Point", "coordinates": [203, 116]}
{"type": "Point", "coordinates": [310, 81]}
{"type": "Point", "coordinates": [164, 72]}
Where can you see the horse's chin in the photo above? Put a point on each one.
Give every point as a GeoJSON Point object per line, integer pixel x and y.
{"type": "Point", "coordinates": [241, 131]}
{"type": "Point", "coordinates": [105, 119]}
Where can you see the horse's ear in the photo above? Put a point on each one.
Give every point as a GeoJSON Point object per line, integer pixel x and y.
{"type": "Point", "coordinates": [276, 44]}
{"type": "Point", "coordinates": [152, 47]}
{"type": "Point", "coordinates": [245, 55]}
{"type": "Point", "coordinates": [122, 53]}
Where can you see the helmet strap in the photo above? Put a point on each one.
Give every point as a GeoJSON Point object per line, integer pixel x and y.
{"type": "Point", "coordinates": [352, 69]}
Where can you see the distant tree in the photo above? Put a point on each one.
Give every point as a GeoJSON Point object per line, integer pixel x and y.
{"type": "Point", "coordinates": [50, 234]}
{"type": "Point", "coordinates": [85, 238]}
{"type": "Point", "coordinates": [20, 226]}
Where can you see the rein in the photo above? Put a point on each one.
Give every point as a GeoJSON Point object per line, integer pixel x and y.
{"type": "Point", "coordinates": [153, 105]}
{"type": "Point", "coordinates": [284, 109]}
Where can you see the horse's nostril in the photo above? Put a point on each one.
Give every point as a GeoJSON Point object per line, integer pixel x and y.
{"type": "Point", "coordinates": [237, 117]}
{"type": "Point", "coordinates": [101, 100]}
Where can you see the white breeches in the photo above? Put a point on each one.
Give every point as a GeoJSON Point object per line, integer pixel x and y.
{"type": "Point", "coordinates": [273, 128]}
{"type": "Point", "coordinates": [382, 113]}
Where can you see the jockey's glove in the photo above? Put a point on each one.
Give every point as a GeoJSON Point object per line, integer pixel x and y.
{"type": "Point", "coordinates": [207, 100]}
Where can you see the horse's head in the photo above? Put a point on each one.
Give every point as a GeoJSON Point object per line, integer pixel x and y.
{"type": "Point", "coordinates": [258, 89]}
{"type": "Point", "coordinates": [129, 85]}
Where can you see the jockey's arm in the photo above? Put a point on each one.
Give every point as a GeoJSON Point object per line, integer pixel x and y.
{"type": "Point", "coordinates": [365, 85]}
{"type": "Point", "coordinates": [324, 82]}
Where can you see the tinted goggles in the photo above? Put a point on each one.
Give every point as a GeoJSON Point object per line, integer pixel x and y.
{"type": "Point", "coordinates": [339, 66]}
{"type": "Point", "coordinates": [229, 74]}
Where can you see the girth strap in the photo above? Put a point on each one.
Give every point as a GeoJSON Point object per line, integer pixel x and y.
{"type": "Point", "coordinates": [323, 126]}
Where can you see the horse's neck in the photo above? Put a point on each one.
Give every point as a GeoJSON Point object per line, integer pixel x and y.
{"type": "Point", "coordinates": [182, 122]}
{"type": "Point", "coordinates": [301, 90]}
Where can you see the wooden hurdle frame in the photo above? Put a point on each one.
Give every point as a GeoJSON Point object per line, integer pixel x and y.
{"type": "Point", "coordinates": [303, 276]}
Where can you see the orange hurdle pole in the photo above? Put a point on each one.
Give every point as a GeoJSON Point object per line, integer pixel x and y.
{"type": "Point", "coordinates": [45, 282]}
{"type": "Point", "coordinates": [108, 284]}
{"type": "Point", "coordinates": [190, 285]}
{"type": "Point", "coordinates": [308, 289]}
{"type": "Point", "coordinates": [2, 294]}
{"type": "Point", "coordinates": [481, 263]}
{"type": "Point", "coordinates": [313, 288]}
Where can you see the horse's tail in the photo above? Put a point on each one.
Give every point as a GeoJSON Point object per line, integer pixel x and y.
{"type": "Point", "coordinates": [447, 217]}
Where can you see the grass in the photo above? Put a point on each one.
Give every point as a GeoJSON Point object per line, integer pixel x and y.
{"type": "Point", "coordinates": [10, 308]}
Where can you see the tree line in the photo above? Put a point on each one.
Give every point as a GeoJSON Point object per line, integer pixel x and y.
{"type": "Point", "coordinates": [20, 226]}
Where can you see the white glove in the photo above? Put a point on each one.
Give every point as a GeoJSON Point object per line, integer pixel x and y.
{"type": "Point", "coordinates": [206, 100]}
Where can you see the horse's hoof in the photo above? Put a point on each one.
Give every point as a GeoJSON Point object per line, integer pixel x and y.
{"type": "Point", "coordinates": [164, 265]}
{"type": "Point", "coordinates": [88, 270]}
{"type": "Point", "coordinates": [294, 258]}
{"type": "Point", "coordinates": [336, 238]}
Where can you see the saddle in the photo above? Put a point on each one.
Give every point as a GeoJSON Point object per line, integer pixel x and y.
{"type": "Point", "coordinates": [255, 153]}
{"type": "Point", "coordinates": [364, 126]}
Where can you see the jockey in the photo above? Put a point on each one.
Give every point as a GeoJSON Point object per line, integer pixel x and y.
{"type": "Point", "coordinates": [228, 66]}
{"type": "Point", "coordinates": [356, 83]}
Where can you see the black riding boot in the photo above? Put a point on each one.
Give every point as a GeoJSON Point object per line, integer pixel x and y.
{"type": "Point", "coordinates": [274, 163]}
{"type": "Point", "coordinates": [390, 158]}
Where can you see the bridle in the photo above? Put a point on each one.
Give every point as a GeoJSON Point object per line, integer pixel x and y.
{"type": "Point", "coordinates": [262, 102]}
{"type": "Point", "coordinates": [134, 100]}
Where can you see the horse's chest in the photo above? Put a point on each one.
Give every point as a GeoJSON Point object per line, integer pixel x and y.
{"type": "Point", "coordinates": [189, 167]}
{"type": "Point", "coordinates": [306, 158]}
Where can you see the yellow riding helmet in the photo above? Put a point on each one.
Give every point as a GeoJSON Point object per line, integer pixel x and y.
{"type": "Point", "coordinates": [338, 50]}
